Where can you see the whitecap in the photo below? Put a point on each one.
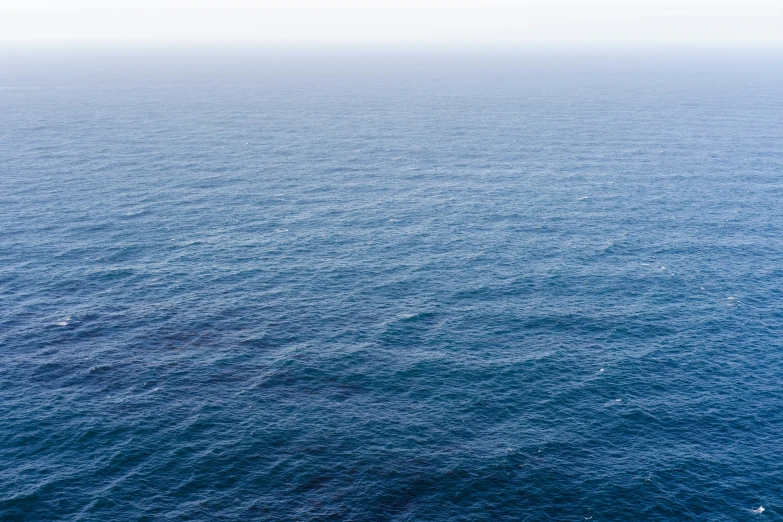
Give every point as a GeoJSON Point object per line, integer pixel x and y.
{"type": "Point", "coordinates": [758, 511]}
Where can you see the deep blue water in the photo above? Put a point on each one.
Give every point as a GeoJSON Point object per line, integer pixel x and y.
{"type": "Point", "coordinates": [239, 285]}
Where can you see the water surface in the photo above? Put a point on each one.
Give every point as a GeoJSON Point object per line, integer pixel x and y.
{"type": "Point", "coordinates": [244, 285]}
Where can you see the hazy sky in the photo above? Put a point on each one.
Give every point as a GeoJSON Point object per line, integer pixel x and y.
{"type": "Point", "coordinates": [733, 23]}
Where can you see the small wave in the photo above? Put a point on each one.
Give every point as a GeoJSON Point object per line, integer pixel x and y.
{"type": "Point", "coordinates": [419, 316]}
{"type": "Point", "coordinates": [134, 213]}
{"type": "Point", "coordinates": [758, 510]}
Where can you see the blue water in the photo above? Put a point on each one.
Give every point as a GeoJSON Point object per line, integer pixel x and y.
{"type": "Point", "coordinates": [245, 285]}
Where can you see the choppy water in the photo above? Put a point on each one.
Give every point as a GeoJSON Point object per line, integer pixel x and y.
{"type": "Point", "coordinates": [284, 287]}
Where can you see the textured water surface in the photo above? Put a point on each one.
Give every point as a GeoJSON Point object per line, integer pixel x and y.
{"type": "Point", "coordinates": [249, 286]}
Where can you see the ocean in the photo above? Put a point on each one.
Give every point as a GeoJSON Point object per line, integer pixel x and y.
{"type": "Point", "coordinates": [245, 284]}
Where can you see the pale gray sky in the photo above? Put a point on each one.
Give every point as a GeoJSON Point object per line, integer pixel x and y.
{"type": "Point", "coordinates": [681, 23]}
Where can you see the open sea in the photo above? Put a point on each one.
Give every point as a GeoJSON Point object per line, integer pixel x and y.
{"type": "Point", "coordinates": [241, 285]}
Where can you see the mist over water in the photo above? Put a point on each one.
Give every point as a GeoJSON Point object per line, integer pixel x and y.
{"type": "Point", "coordinates": [244, 285]}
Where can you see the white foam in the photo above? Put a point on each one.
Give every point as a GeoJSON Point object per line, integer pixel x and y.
{"type": "Point", "coordinates": [758, 511]}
